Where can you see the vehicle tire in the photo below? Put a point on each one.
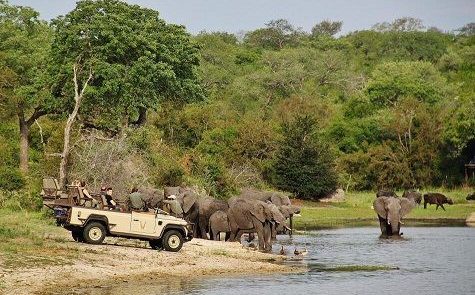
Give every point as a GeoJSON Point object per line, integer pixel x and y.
{"type": "Point", "coordinates": [156, 244]}
{"type": "Point", "coordinates": [94, 233]}
{"type": "Point", "coordinates": [78, 235]}
{"type": "Point", "coordinates": [172, 241]}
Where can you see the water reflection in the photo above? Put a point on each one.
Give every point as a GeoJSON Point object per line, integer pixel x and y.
{"type": "Point", "coordinates": [426, 260]}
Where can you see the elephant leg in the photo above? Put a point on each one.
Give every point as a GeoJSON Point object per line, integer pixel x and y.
{"type": "Point", "coordinates": [259, 227]}
{"type": "Point", "coordinates": [203, 227]}
{"type": "Point", "coordinates": [268, 236]}
{"type": "Point", "coordinates": [228, 234]}
{"type": "Point", "coordinates": [273, 232]}
{"type": "Point", "coordinates": [383, 225]}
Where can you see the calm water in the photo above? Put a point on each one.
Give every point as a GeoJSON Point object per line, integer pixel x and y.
{"type": "Point", "coordinates": [431, 260]}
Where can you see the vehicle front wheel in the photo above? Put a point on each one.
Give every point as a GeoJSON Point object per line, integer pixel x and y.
{"type": "Point", "coordinates": [172, 241]}
{"type": "Point", "coordinates": [94, 233]}
{"type": "Point", "coordinates": [156, 244]}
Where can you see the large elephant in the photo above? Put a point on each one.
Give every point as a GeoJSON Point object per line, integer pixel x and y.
{"type": "Point", "coordinates": [390, 211]}
{"type": "Point", "coordinates": [219, 223]}
{"type": "Point", "coordinates": [208, 206]}
{"type": "Point", "coordinates": [188, 200]}
{"type": "Point", "coordinates": [254, 216]}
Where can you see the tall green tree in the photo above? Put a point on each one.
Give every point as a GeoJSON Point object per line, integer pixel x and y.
{"type": "Point", "coordinates": [24, 45]}
{"type": "Point", "coordinates": [117, 61]}
{"type": "Point", "coordinates": [303, 164]}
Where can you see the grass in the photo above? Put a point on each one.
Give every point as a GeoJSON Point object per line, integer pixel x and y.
{"type": "Point", "coordinates": [30, 239]}
{"type": "Point", "coordinates": [356, 211]}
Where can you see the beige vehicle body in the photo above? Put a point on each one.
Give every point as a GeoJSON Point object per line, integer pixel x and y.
{"type": "Point", "coordinates": [92, 225]}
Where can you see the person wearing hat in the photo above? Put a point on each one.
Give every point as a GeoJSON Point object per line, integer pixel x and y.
{"type": "Point", "coordinates": [173, 206]}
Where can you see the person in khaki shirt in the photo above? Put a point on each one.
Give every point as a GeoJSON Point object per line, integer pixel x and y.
{"type": "Point", "coordinates": [173, 206]}
{"type": "Point", "coordinates": [137, 201]}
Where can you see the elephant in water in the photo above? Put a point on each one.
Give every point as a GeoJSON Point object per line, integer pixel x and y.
{"type": "Point", "coordinates": [390, 211]}
{"type": "Point", "coordinates": [254, 216]}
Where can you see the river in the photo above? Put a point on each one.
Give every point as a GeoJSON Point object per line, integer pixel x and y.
{"type": "Point", "coordinates": [427, 260]}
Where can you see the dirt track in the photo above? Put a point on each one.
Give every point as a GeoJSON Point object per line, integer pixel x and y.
{"type": "Point", "coordinates": [121, 261]}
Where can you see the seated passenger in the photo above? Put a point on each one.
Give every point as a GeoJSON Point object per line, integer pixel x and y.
{"type": "Point", "coordinates": [110, 201]}
{"type": "Point", "coordinates": [137, 201]}
{"type": "Point", "coordinates": [87, 196]}
{"type": "Point", "coordinates": [173, 206]}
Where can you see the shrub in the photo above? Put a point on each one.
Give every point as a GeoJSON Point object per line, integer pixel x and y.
{"type": "Point", "coordinates": [11, 178]}
{"type": "Point", "coordinates": [303, 164]}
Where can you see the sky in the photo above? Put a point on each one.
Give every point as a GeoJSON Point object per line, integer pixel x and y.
{"type": "Point", "coordinates": [244, 15]}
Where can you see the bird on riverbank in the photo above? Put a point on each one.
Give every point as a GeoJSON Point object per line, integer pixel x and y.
{"type": "Point", "coordinates": [282, 251]}
{"type": "Point", "coordinates": [300, 252]}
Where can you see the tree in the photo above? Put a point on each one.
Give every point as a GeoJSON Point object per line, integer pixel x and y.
{"type": "Point", "coordinates": [327, 28]}
{"type": "Point", "coordinates": [277, 34]}
{"type": "Point", "coordinates": [467, 30]}
{"type": "Point", "coordinates": [118, 60]}
{"type": "Point", "coordinates": [303, 164]}
{"type": "Point", "coordinates": [24, 45]}
{"type": "Point", "coordinates": [393, 80]}
{"type": "Point", "coordinates": [404, 24]}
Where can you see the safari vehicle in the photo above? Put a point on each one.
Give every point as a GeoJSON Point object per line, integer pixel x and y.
{"type": "Point", "coordinates": [92, 225]}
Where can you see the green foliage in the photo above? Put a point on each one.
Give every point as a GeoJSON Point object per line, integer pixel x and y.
{"type": "Point", "coordinates": [137, 60]}
{"type": "Point", "coordinates": [11, 178]}
{"type": "Point", "coordinates": [303, 164]}
{"type": "Point", "coordinates": [394, 80]}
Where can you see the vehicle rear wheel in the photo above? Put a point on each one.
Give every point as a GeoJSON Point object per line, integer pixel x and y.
{"type": "Point", "coordinates": [156, 244]}
{"type": "Point", "coordinates": [94, 233]}
{"type": "Point", "coordinates": [172, 241]}
{"type": "Point", "coordinates": [77, 235]}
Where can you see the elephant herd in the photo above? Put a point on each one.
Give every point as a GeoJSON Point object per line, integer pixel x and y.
{"type": "Point", "coordinates": [253, 212]}
{"type": "Point", "coordinates": [391, 209]}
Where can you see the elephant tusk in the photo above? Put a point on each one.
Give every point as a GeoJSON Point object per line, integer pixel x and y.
{"type": "Point", "coordinates": [286, 227]}
{"type": "Point", "coordinates": [297, 215]}
{"type": "Point", "coordinates": [401, 222]}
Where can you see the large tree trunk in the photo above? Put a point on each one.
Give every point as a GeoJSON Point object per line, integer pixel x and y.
{"type": "Point", "coordinates": [78, 95]}
{"type": "Point", "coordinates": [24, 130]}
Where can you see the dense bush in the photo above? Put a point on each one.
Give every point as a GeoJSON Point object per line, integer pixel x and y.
{"type": "Point", "coordinates": [11, 178]}
{"type": "Point", "coordinates": [303, 164]}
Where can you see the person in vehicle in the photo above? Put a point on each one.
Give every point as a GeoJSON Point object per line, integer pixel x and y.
{"type": "Point", "coordinates": [137, 201]}
{"type": "Point", "coordinates": [106, 193]}
{"type": "Point", "coordinates": [87, 195]}
{"type": "Point", "coordinates": [173, 206]}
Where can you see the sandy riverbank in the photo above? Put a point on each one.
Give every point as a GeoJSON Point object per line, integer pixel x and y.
{"type": "Point", "coordinates": [120, 261]}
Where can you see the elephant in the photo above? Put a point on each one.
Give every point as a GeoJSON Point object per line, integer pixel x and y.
{"type": "Point", "coordinates": [254, 216]}
{"type": "Point", "coordinates": [154, 197]}
{"type": "Point", "coordinates": [277, 198]}
{"type": "Point", "coordinates": [219, 223]}
{"type": "Point", "coordinates": [412, 194]}
{"type": "Point", "coordinates": [208, 206]}
{"type": "Point", "coordinates": [280, 199]}
{"type": "Point", "coordinates": [188, 200]}
{"type": "Point", "coordinates": [196, 209]}
{"type": "Point", "coordinates": [390, 211]}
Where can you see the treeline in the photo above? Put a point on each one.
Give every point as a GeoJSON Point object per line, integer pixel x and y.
{"type": "Point", "coordinates": [306, 112]}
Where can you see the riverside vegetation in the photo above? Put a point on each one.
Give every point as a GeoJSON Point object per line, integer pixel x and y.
{"type": "Point", "coordinates": [122, 98]}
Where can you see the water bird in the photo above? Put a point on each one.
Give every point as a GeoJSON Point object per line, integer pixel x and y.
{"type": "Point", "coordinates": [282, 251]}
{"type": "Point", "coordinates": [300, 252]}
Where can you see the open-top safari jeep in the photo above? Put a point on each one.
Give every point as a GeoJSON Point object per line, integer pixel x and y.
{"type": "Point", "coordinates": [92, 225]}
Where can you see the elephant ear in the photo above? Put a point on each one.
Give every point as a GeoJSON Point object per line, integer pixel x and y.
{"type": "Point", "coordinates": [258, 211]}
{"type": "Point", "coordinates": [379, 206]}
{"type": "Point", "coordinates": [406, 206]}
{"type": "Point", "coordinates": [189, 198]}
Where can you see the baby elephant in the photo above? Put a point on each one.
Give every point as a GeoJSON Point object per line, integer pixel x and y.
{"type": "Point", "coordinates": [436, 198]}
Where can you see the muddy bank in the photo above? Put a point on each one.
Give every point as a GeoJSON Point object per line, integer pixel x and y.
{"type": "Point", "coordinates": [121, 261]}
